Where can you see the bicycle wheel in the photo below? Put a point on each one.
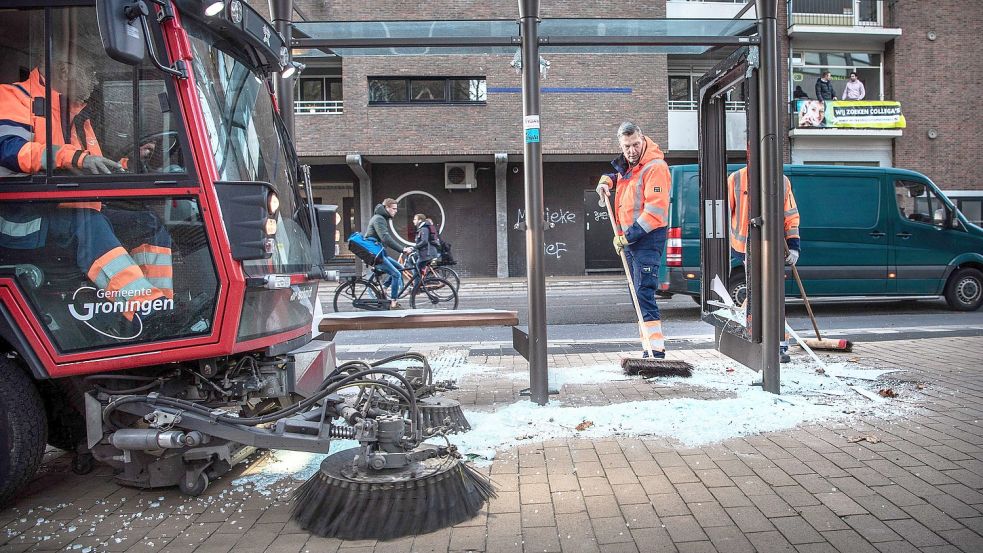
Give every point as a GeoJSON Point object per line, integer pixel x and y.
{"type": "Point", "coordinates": [448, 274]}
{"type": "Point", "coordinates": [434, 293]}
{"type": "Point", "coordinates": [356, 290]}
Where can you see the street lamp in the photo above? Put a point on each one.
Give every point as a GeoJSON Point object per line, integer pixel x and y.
{"type": "Point", "coordinates": [516, 63]}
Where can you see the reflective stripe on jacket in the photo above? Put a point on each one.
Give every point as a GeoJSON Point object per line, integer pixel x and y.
{"type": "Point", "coordinates": [23, 135]}
{"type": "Point", "coordinates": [641, 196]}
{"type": "Point", "coordinates": [737, 200]}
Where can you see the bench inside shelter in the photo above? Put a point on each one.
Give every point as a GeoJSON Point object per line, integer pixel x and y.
{"type": "Point", "coordinates": [332, 323]}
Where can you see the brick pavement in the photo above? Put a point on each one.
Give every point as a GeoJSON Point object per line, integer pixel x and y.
{"type": "Point", "coordinates": [919, 487]}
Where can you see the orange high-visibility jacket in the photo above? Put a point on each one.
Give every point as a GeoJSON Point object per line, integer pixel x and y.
{"type": "Point", "coordinates": [23, 135]}
{"type": "Point", "coordinates": [641, 197]}
{"type": "Point", "coordinates": [737, 199]}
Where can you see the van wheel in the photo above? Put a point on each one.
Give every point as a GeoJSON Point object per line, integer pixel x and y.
{"type": "Point", "coordinates": [23, 429]}
{"type": "Point", "coordinates": [964, 291]}
{"type": "Point", "coordinates": [738, 288]}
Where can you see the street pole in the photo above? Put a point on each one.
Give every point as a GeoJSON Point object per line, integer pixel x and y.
{"type": "Point", "coordinates": [533, 165]}
{"type": "Point", "coordinates": [285, 87]}
{"type": "Point", "coordinates": [772, 190]}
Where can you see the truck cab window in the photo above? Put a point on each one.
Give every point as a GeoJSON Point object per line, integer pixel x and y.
{"type": "Point", "coordinates": [917, 202]}
{"type": "Point", "coordinates": [84, 115]}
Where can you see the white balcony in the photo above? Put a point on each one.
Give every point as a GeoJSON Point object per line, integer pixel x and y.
{"type": "Point", "coordinates": [684, 126]}
{"type": "Point", "coordinates": [700, 9]}
{"type": "Point", "coordinates": [861, 22]}
{"type": "Point", "coordinates": [321, 107]}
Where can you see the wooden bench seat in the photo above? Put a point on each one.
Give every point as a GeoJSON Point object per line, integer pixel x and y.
{"type": "Point", "coordinates": [333, 323]}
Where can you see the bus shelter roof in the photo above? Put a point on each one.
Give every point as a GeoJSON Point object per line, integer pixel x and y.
{"type": "Point", "coordinates": [469, 37]}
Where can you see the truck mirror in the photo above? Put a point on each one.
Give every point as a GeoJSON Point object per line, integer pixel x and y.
{"type": "Point", "coordinates": [327, 217]}
{"type": "Point", "coordinates": [249, 213]}
{"type": "Point", "coordinates": [121, 29]}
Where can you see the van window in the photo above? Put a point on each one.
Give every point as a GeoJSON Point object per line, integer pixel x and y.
{"type": "Point", "coordinates": [857, 201]}
{"type": "Point", "coordinates": [972, 208]}
{"type": "Point", "coordinates": [917, 202]}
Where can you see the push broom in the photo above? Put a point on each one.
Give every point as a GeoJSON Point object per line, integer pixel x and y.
{"type": "Point", "coordinates": [650, 366]}
{"type": "Point", "coordinates": [819, 343]}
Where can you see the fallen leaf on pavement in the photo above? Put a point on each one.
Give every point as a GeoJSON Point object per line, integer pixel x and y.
{"type": "Point", "coordinates": [854, 359]}
{"type": "Point", "coordinates": [820, 370]}
{"type": "Point", "coordinates": [584, 426]}
{"type": "Point", "coordinates": [887, 392]}
{"type": "Point", "coordinates": [855, 439]}
{"type": "Point", "coordinates": [921, 386]}
{"type": "Point", "coordinates": [870, 439]}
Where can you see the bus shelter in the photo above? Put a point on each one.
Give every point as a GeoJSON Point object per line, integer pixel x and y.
{"type": "Point", "coordinates": [750, 334]}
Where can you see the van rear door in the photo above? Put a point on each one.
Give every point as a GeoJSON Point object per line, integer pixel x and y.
{"type": "Point", "coordinates": [844, 237]}
{"type": "Point", "coordinates": [923, 247]}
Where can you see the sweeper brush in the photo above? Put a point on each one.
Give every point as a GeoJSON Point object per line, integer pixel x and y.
{"type": "Point", "coordinates": [649, 367]}
{"type": "Point", "coordinates": [441, 415]}
{"type": "Point", "coordinates": [348, 502]}
{"type": "Point", "coordinates": [392, 484]}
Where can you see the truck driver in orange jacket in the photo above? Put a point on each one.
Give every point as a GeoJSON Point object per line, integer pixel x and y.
{"type": "Point", "coordinates": [737, 200]}
{"type": "Point", "coordinates": [641, 209]}
{"type": "Point", "coordinates": [142, 273]}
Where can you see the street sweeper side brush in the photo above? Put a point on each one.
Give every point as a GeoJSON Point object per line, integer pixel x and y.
{"type": "Point", "coordinates": [346, 501]}
{"type": "Point", "coordinates": [441, 415]}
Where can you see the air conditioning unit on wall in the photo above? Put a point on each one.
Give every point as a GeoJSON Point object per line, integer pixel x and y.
{"type": "Point", "coordinates": [459, 176]}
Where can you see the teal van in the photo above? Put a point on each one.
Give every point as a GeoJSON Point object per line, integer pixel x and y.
{"type": "Point", "coordinates": [867, 233]}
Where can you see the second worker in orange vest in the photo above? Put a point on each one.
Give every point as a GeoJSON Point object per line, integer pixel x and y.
{"type": "Point", "coordinates": [641, 209]}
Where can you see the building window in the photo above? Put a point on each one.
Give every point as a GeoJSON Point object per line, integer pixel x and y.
{"type": "Point", "coordinates": [318, 94]}
{"type": "Point", "coordinates": [427, 90]}
{"type": "Point", "coordinates": [808, 66]}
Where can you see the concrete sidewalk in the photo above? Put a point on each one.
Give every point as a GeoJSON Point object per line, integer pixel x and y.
{"type": "Point", "coordinates": [860, 484]}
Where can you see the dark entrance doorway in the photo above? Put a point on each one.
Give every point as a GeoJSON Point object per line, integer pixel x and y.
{"type": "Point", "coordinates": [599, 255]}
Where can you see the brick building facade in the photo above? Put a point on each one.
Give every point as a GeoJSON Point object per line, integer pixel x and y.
{"type": "Point", "coordinates": [403, 149]}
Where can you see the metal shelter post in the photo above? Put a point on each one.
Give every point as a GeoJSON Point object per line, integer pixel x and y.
{"type": "Point", "coordinates": [771, 256]}
{"type": "Point", "coordinates": [533, 166]}
{"type": "Point", "coordinates": [285, 87]}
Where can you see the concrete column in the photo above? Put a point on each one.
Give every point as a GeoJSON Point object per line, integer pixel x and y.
{"type": "Point", "coordinates": [357, 166]}
{"type": "Point", "coordinates": [501, 214]}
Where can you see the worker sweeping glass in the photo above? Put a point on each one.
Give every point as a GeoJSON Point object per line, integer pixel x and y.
{"type": "Point", "coordinates": [641, 206]}
{"type": "Point", "coordinates": [739, 206]}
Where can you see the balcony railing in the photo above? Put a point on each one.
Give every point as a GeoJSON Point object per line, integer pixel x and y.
{"type": "Point", "coordinates": [321, 106]}
{"type": "Point", "coordinates": [841, 13]}
{"type": "Point", "coordinates": [691, 105]}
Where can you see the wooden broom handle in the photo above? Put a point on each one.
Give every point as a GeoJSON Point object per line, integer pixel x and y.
{"type": "Point", "coordinates": [646, 343]}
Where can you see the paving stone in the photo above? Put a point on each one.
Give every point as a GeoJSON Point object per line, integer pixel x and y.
{"type": "Point", "coordinates": [915, 532]}
{"type": "Point", "coordinates": [683, 528]}
{"type": "Point", "coordinates": [669, 504]}
{"type": "Point", "coordinates": [540, 540]}
{"type": "Point", "coordinates": [729, 539]}
{"type": "Point", "coordinates": [709, 514]}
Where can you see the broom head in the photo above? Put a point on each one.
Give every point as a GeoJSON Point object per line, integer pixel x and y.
{"type": "Point", "coordinates": [424, 496]}
{"type": "Point", "coordinates": [829, 345]}
{"type": "Point", "coordinates": [649, 367]}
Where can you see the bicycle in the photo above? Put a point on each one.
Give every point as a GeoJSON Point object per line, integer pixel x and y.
{"type": "Point", "coordinates": [434, 267]}
{"type": "Point", "coordinates": [428, 291]}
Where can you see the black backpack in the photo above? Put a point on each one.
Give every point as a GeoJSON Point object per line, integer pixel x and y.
{"type": "Point", "coordinates": [443, 246]}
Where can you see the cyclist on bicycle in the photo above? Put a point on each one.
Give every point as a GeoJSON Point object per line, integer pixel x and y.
{"type": "Point", "coordinates": [379, 229]}
{"type": "Point", "coordinates": [425, 246]}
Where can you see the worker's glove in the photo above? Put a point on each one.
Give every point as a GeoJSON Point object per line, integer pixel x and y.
{"type": "Point", "coordinates": [98, 165]}
{"type": "Point", "coordinates": [619, 242]}
{"type": "Point", "coordinates": [604, 187]}
{"type": "Point", "coordinates": [792, 257]}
